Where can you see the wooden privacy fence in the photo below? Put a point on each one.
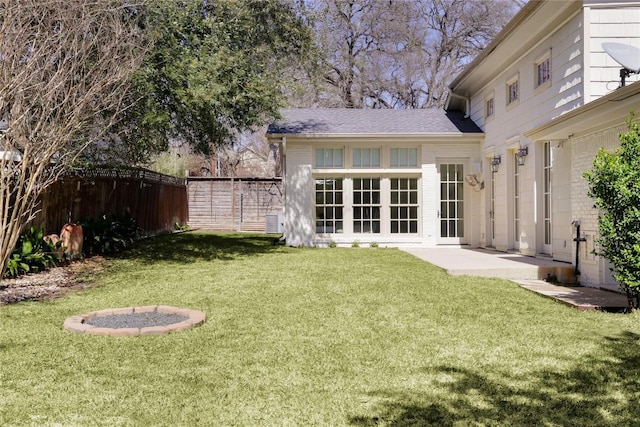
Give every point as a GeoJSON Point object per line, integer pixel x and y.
{"type": "Point", "coordinates": [156, 201]}
{"type": "Point", "coordinates": [236, 204]}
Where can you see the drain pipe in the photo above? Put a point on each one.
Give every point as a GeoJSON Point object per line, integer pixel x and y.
{"type": "Point", "coordinates": [578, 239]}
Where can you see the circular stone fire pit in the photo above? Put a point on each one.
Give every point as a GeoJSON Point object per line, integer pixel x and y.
{"type": "Point", "coordinates": [146, 320]}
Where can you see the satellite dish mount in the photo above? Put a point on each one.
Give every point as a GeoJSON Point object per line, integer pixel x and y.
{"type": "Point", "coordinates": [626, 55]}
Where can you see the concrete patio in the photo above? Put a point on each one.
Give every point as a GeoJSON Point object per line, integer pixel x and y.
{"type": "Point", "coordinates": [534, 274]}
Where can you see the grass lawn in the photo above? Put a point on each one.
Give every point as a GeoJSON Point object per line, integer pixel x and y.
{"type": "Point", "coordinates": [328, 337]}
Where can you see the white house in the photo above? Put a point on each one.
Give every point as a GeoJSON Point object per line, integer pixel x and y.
{"type": "Point", "coordinates": [528, 116]}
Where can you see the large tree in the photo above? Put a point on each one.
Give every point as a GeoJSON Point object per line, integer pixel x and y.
{"type": "Point", "coordinates": [65, 67]}
{"type": "Point", "coordinates": [386, 54]}
{"type": "Point", "coordinates": [216, 69]}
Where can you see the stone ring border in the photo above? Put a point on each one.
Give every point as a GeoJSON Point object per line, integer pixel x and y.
{"type": "Point", "coordinates": [77, 323]}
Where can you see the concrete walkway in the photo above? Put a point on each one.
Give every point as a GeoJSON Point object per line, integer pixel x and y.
{"type": "Point", "coordinates": [528, 272]}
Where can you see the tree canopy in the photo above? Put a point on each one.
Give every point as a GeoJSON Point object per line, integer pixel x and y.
{"type": "Point", "coordinates": [214, 69]}
{"type": "Point", "coordinates": [396, 54]}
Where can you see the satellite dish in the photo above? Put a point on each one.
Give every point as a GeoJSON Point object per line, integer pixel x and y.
{"type": "Point", "coordinates": [626, 55]}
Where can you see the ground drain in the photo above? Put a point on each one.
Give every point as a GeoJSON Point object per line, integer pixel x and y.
{"type": "Point", "coordinates": [145, 320]}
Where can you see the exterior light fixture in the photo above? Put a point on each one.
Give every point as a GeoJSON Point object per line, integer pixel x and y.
{"type": "Point", "coordinates": [495, 162]}
{"type": "Point", "coordinates": [521, 155]}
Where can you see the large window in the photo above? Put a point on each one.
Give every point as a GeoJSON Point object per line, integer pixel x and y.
{"type": "Point", "coordinates": [329, 157]}
{"type": "Point", "coordinates": [366, 205]}
{"type": "Point", "coordinates": [329, 206]}
{"type": "Point", "coordinates": [366, 157]}
{"type": "Point", "coordinates": [403, 157]}
{"type": "Point", "coordinates": [404, 205]}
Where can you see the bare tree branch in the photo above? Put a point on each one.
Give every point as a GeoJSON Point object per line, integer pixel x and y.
{"type": "Point", "coordinates": [63, 65]}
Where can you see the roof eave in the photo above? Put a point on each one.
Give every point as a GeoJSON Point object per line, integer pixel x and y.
{"type": "Point", "coordinates": [589, 117]}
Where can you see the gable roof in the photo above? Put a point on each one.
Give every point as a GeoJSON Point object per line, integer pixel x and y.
{"type": "Point", "coordinates": [345, 121]}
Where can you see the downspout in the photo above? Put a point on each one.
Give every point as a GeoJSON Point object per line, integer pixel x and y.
{"type": "Point", "coordinates": [467, 103]}
{"type": "Point", "coordinates": [283, 238]}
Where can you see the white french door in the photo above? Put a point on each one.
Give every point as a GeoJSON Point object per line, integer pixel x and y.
{"type": "Point", "coordinates": [452, 204]}
{"type": "Point", "coordinates": [546, 199]}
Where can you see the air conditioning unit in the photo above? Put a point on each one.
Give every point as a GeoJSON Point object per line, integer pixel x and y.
{"type": "Point", "coordinates": [274, 223]}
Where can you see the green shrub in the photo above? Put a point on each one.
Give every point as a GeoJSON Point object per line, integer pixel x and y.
{"type": "Point", "coordinates": [355, 244]}
{"type": "Point", "coordinates": [373, 245]}
{"type": "Point", "coordinates": [106, 235]}
{"type": "Point", "coordinates": [614, 184]}
{"type": "Point", "coordinates": [31, 254]}
{"type": "Point", "coordinates": [332, 244]}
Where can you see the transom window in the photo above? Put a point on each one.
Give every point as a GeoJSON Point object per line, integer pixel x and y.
{"type": "Point", "coordinates": [366, 157]}
{"type": "Point", "coordinates": [404, 205]}
{"type": "Point", "coordinates": [543, 71]}
{"type": "Point", "coordinates": [329, 206]}
{"type": "Point", "coordinates": [366, 205]}
{"type": "Point", "coordinates": [329, 157]}
{"type": "Point", "coordinates": [403, 157]}
{"type": "Point", "coordinates": [513, 91]}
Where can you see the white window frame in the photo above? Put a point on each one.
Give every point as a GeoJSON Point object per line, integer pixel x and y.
{"type": "Point", "coordinates": [490, 106]}
{"type": "Point", "coordinates": [334, 205]}
{"type": "Point", "coordinates": [396, 160]}
{"type": "Point", "coordinates": [513, 90]}
{"type": "Point", "coordinates": [410, 206]}
{"type": "Point", "coordinates": [319, 160]}
{"type": "Point", "coordinates": [359, 203]}
{"type": "Point", "coordinates": [371, 163]}
{"type": "Point", "coordinates": [542, 71]}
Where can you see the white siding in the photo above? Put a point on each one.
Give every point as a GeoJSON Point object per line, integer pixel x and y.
{"type": "Point", "coordinates": [299, 191]}
{"type": "Point", "coordinates": [583, 151]}
{"type": "Point", "coordinates": [613, 25]}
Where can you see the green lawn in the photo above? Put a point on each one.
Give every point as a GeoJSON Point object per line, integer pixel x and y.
{"type": "Point", "coordinates": [328, 337]}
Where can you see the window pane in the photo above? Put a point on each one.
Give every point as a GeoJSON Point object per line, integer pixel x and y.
{"type": "Point", "coordinates": [319, 157]}
{"type": "Point", "coordinates": [357, 184]}
{"type": "Point", "coordinates": [413, 227]}
{"type": "Point", "coordinates": [394, 157]}
{"type": "Point", "coordinates": [338, 200]}
{"type": "Point", "coordinates": [375, 157]}
{"type": "Point", "coordinates": [403, 157]}
{"type": "Point", "coordinates": [366, 160]}
{"type": "Point", "coordinates": [413, 199]}
{"type": "Point", "coordinates": [413, 157]}
{"type": "Point", "coordinates": [328, 158]}
{"type": "Point", "coordinates": [337, 158]}
{"type": "Point", "coordinates": [356, 157]}
{"type": "Point", "coordinates": [375, 184]}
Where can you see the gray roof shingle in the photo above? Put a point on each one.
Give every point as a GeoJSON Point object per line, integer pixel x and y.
{"type": "Point", "coordinates": [305, 121]}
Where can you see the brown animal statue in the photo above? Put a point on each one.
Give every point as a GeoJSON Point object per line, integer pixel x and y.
{"type": "Point", "coordinates": [71, 237]}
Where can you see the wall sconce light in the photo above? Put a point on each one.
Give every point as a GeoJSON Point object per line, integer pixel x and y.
{"type": "Point", "coordinates": [521, 155]}
{"type": "Point", "coordinates": [495, 162]}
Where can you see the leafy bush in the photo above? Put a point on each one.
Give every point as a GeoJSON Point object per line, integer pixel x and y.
{"type": "Point", "coordinates": [31, 254]}
{"type": "Point", "coordinates": [614, 184]}
{"type": "Point", "coordinates": [105, 235]}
